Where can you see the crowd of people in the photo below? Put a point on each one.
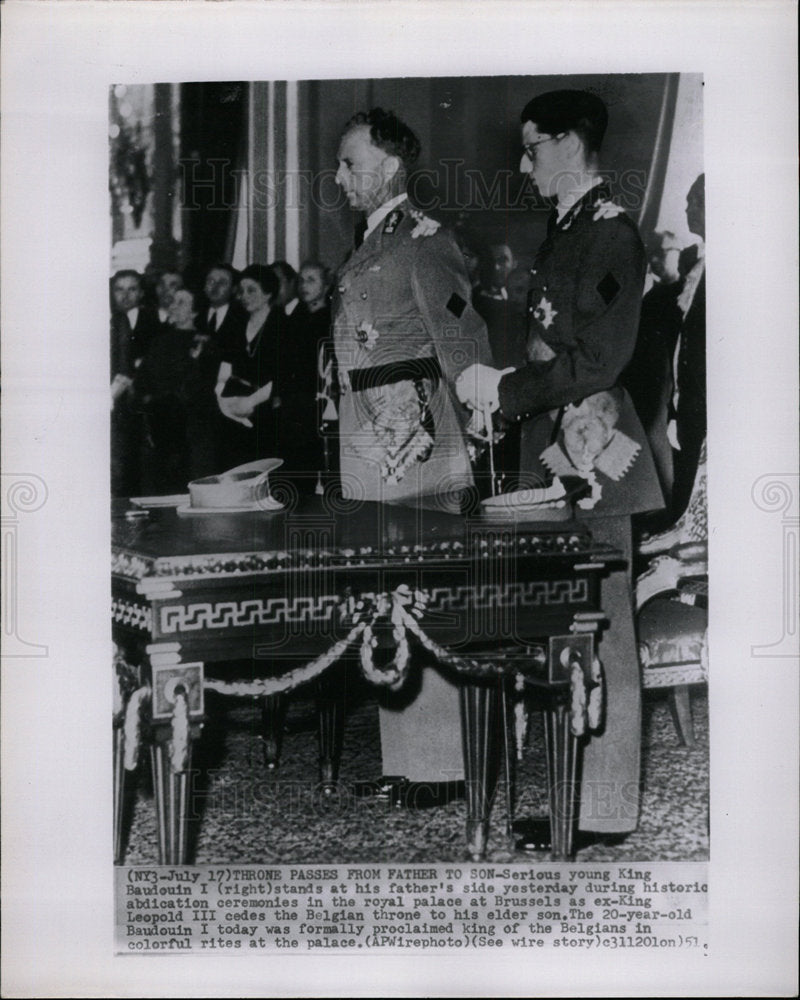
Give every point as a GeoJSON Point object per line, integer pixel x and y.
{"type": "Point", "coordinates": [203, 381]}
{"type": "Point", "coordinates": [243, 368]}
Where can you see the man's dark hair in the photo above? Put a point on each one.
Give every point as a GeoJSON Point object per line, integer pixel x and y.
{"type": "Point", "coordinates": [128, 272]}
{"type": "Point", "coordinates": [263, 276]}
{"type": "Point", "coordinates": [390, 134]}
{"type": "Point", "coordinates": [468, 239]}
{"type": "Point", "coordinates": [575, 111]}
{"type": "Point", "coordinates": [222, 265]}
{"type": "Point", "coordinates": [284, 270]}
{"type": "Point", "coordinates": [698, 188]}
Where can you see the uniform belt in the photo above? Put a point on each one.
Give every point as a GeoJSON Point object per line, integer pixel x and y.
{"type": "Point", "coordinates": [407, 370]}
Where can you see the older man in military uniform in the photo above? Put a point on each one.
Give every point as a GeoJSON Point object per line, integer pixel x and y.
{"type": "Point", "coordinates": [404, 330]}
{"type": "Point", "coordinates": [584, 302]}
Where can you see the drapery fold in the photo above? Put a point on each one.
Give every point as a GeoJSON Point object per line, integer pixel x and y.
{"type": "Point", "coordinates": [651, 203]}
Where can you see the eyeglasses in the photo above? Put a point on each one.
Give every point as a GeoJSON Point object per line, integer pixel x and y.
{"type": "Point", "coordinates": [529, 148]}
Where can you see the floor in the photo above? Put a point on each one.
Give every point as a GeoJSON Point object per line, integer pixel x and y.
{"type": "Point", "coordinates": [244, 813]}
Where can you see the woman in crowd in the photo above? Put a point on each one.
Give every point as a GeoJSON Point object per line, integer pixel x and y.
{"type": "Point", "coordinates": [307, 333]}
{"type": "Point", "coordinates": [246, 390]}
{"type": "Point", "coordinates": [174, 386]}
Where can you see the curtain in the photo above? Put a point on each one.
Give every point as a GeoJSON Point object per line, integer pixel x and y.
{"type": "Point", "coordinates": [266, 223]}
{"type": "Point", "coordinates": [651, 203]}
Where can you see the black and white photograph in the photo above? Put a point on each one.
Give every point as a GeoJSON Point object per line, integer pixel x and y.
{"type": "Point", "coordinates": [446, 522]}
{"type": "Point", "coordinates": [461, 409]}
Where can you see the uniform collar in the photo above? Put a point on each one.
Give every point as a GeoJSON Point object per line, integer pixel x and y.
{"type": "Point", "coordinates": [496, 294]}
{"type": "Point", "coordinates": [376, 217]}
{"type": "Point", "coordinates": [690, 256]}
{"type": "Point", "coordinates": [591, 200]}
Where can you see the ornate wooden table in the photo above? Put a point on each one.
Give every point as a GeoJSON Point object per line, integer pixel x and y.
{"type": "Point", "coordinates": [280, 590]}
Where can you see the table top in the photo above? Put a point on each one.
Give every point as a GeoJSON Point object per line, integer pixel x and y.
{"type": "Point", "coordinates": [318, 533]}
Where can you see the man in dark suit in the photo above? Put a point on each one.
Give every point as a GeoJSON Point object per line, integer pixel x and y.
{"type": "Point", "coordinates": [132, 328]}
{"type": "Point", "coordinates": [222, 314]}
{"type": "Point", "coordinates": [223, 322]}
{"type": "Point", "coordinates": [133, 325]}
{"type": "Point", "coordinates": [648, 376]}
{"type": "Point", "coordinates": [583, 302]}
{"type": "Point", "coordinates": [687, 430]}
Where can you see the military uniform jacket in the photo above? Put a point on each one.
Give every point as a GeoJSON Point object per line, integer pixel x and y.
{"type": "Point", "coordinates": [583, 306]}
{"type": "Point", "coordinates": [403, 308]}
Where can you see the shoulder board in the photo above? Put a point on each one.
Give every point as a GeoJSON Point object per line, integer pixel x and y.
{"type": "Point", "coordinates": [424, 224]}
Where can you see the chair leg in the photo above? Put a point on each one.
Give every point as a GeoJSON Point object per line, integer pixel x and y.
{"type": "Point", "coordinates": [681, 707]}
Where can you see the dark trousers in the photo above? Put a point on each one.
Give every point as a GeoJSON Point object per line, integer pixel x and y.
{"type": "Point", "coordinates": [611, 760]}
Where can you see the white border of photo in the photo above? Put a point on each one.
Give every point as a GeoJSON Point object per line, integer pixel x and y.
{"type": "Point", "coordinates": [58, 60]}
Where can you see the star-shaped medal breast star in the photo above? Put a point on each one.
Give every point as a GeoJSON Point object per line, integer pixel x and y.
{"type": "Point", "coordinates": [544, 313]}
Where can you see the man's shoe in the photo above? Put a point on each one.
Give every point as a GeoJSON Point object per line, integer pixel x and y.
{"type": "Point", "coordinates": [585, 838]}
{"type": "Point", "coordinates": [534, 836]}
{"type": "Point", "coordinates": [388, 789]}
{"type": "Point", "coordinates": [431, 794]}
{"type": "Point", "coordinates": [533, 833]}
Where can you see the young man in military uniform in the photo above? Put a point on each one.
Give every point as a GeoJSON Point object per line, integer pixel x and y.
{"type": "Point", "coordinates": [404, 330]}
{"type": "Point", "coordinates": [584, 301]}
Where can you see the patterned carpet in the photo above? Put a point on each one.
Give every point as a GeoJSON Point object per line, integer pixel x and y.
{"type": "Point", "coordinates": [244, 813]}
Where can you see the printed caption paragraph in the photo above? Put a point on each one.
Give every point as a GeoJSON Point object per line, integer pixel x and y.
{"type": "Point", "coordinates": [229, 909]}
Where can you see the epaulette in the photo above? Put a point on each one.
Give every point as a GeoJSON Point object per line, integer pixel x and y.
{"type": "Point", "coordinates": [425, 226]}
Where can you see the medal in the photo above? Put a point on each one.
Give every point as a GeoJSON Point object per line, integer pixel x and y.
{"type": "Point", "coordinates": [544, 312]}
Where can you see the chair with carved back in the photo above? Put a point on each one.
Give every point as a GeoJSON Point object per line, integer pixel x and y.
{"type": "Point", "coordinates": [672, 607]}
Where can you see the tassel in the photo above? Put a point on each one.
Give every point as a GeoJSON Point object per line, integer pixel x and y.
{"type": "Point", "coordinates": [597, 697]}
{"type": "Point", "coordinates": [179, 744]}
{"type": "Point", "coordinates": [132, 727]}
{"type": "Point", "coordinates": [578, 704]}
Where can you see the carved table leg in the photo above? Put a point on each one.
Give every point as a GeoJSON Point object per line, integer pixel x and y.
{"type": "Point", "coordinates": [176, 721]}
{"type": "Point", "coordinates": [330, 711]}
{"type": "Point", "coordinates": [273, 713]}
{"type": "Point", "coordinates": [509, 744]}
{"type": "Point", "coordinates": [158, 763]}
{"type": "Point", "coordinates": [126, 681]}
{"type": "Point", "coordinates": [479, 704]}
{"type": "Point", "coordinates": [171, 799]}
{"type": "Point", "coordinates": [562, 761]}
{"type": "Point", "coordinates": [119, 789]}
